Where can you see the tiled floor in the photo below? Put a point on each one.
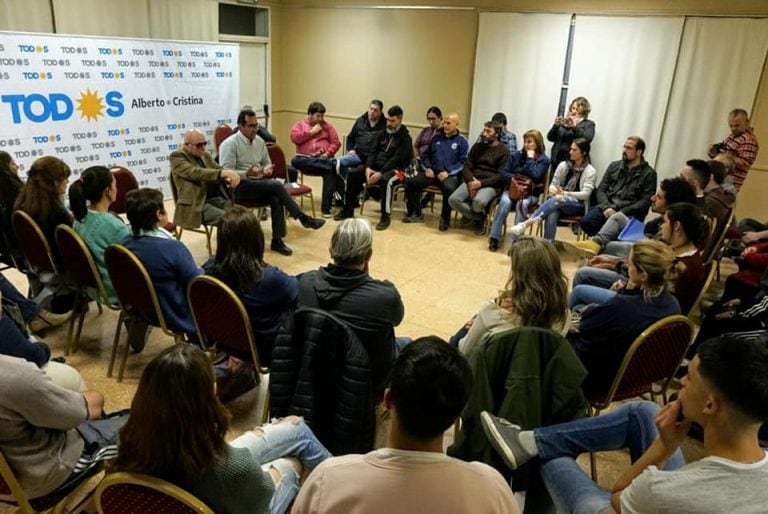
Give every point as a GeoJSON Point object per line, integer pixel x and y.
{"type": "Point", "coordinates": [443, 278]}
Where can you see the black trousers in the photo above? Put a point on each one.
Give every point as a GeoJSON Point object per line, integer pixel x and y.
{"type": "Point", "coordinates": [414, 187]}
{"type": "Point", "coordinates": [270, 192]}
{"type": "Point", "coordinates": [325, 168]}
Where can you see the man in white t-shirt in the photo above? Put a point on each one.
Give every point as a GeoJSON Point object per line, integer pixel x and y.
{"type": "Point", "coordinates": [430, 384]}
{"type": "Point", "coordinates": [725, 391]}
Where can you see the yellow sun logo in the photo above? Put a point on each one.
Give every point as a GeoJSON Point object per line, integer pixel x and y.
{"type": "Point", "coordinates": [90, 105]}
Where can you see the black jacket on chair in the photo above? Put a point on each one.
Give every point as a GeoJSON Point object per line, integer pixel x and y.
{"type": "Point", "coordinates": [320, 371]}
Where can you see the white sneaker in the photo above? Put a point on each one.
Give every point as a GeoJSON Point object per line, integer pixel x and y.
{"type": "Point", "coordinates": [519, 229]}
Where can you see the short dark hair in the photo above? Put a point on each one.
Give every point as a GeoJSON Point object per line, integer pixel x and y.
{"type": "Point", "coordinates": [676, 190]}
{"type": "Point", "coordinates": [692, 221]}
{"type": "Point", "coordinates": [738, 112]}
{"type": "Point", "coordinates": [737, 369]}
{"type": "Point", "coordinates": [141, 206]}
{"type": "Point", "coordinates": [500, 117]}
{"type": "Point", "coordinates": [315, 107]}
{"type": "Point", "coordinates": [242, 115]}
{"type": "Point", "coordinates": [395, 110]}
{"type": "Point", "coordinates": [639, 143]}
{"type": "Point", "coordinates": [497, 127]}
{"type": "Point", "coordinates": [717, 169]}
{"type": "Point", "coordinates": [430, 385]}
{"type": "Point", "coordinates": [436, 111]}
{"type": "Point", "coordinates": [701, 172]}
{"type": "Point", "coordinates": [377, 102]}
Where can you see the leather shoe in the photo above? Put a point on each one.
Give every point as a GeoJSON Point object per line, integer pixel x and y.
{"type": "Point", "coordinates": [313, 223]}
{"type": "Point", "coordinates": [280, 247]}
{"type": "Point", "coordinates": [493, 244]}
{"type": "Point", "coordinates": [342, 215]}
{"type": "Point", "coordinates": [443, 226]}
{"type": "Point", "coordinates": [383, 223]}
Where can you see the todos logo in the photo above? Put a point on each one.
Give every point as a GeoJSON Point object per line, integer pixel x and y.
{"type": "Point", "coordinates": [39, 108]}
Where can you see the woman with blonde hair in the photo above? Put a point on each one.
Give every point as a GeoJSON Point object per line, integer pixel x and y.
{"type": "Point", "coordinates": [532, 162]}
{"type": "Point", "coordinates": [606, 331]}
{"type": "Point", "coordinates": [573, 126]}
{"type": "Point", "coordinates": [535, 295]}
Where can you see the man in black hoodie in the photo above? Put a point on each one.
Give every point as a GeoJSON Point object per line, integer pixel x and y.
{"type": "Point", "coordinates": [372, 308]}
{"type": "Point", "coordinates": [362, 136]}
{"type": "Point", "coordinates": [391, 153]}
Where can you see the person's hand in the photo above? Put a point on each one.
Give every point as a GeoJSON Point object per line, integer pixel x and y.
{"type": "Point", "coordinates": [474, 185]}
{"type": "Point", "coordinates": [374, 178]}
{"type": "Point", "coordinates": [531, 154]}
{"type": "Point", "coordinates": [750, 237]}
{"type": "Point", "coordinates": [323, 155]}
{"type": "Point", "coordinates": [268, 170]}
{"type": "Point", "coordinates": [711, 152]}
{"type": "Point", "coordinates": [94, 402]}
{"type": "Point", "coordinates": [315, 129]}
{"type": "Point", "coordinates": [609, 212]}
{"type": "Point", "coordinates": [560, 198]}
{"type": "Point", "coordinates": [429, 173]}
{"type": "Point", "coordinates": [231, 177]}
{"type": "Point", "coordinates": [568, 122]}
{"type": "Point", "coordinates": [442, 176]}
{"type": "Point", "coordinates": [351, 152]}
{"type": "Point", "coordinates": [558, 120]}
{"type": "Point", "coordinates": [748, 250]}
{"type": "Point", "coordinates": [732, 303]}
{"type": "Point", "coordinates": [672, 432]}
{"type": "Point", "coordinates": [619, 284]}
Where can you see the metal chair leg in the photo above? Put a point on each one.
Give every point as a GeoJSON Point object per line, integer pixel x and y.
{"type": "Point", "coordinates": [120, 321]}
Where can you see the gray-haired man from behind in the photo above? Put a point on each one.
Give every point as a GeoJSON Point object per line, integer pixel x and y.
{"type": "Point", "coordinates": [371, 307]}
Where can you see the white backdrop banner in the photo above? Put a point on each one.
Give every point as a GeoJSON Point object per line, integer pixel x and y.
{"type": "Point", "coordinates": [111, 101]}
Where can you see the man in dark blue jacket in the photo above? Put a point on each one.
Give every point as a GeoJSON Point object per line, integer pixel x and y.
{"type": "Point", "coordinates": [442, 165]}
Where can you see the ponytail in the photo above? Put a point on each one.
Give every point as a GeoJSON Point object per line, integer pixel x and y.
{"type": "Point", "coordinates": [89, 188]}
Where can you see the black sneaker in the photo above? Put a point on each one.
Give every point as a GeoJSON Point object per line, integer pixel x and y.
{"type": "Point", "coordinates": [280, 247]}
{"type": "Point", "coordinates": [466, 221]}
{"type": "Point", "coordinates": [343, 214]}
{"type": "Point", "coordinates": [414, 218]}
{"type": "Point", "coordinates": [493, 244]}
{"type": "Point", "coordinates": [444, 224]}
{"type": "Point", "coordinates": [313, 223]}
{"type": "Point", "coordinates": [480, 227]}
{"type": "Point", "coordinates": [326, 214]}
{"type": "Point", "coordinates": [505, 439]}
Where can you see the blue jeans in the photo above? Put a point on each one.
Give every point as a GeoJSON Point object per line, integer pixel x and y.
{"type": "Point", "coordinates": [286, 439]}
{"type": "Point", "coordinates": [29, 309]}
{"type": "Point", "coordinates": [630, 426]}
{"type": "Point", "coordinates": [349, 161]}
{"type": "Point", "coordinates": [551, 210]}
{"type": "Point", "coordinates": [585, 295]}
{"type": "Point", "coordinates": [502, 211]}
{"type": "Point", "coordinates": [593, 221]}
{"type": "Point", "coordinates": [598, 277]}
{"type": "Point", "coordinates": [400, 343]}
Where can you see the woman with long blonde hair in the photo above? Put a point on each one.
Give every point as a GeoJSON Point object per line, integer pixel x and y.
{"type": "Point", "coordinates": [535, 294]}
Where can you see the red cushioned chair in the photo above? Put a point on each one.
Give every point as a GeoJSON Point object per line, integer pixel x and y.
{"type": "Point", "coordinates": [277, 156]}
{"type": "Point", "coordinates": [129, 493]}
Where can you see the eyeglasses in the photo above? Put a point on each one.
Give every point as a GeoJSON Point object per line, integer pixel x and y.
{"type": "Point", "coordinates": [199, 146]}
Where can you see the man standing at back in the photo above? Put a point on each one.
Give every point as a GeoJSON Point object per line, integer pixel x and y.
{"type": "Point", "coordinates": [246, 153]}
{"type": "Point", "coordinates": [316, 143]}
{"type": "Point", "coordinates": [627, 187]}
{"type": "Point", "coordinates": [741, 144]}
{"type": "Point", "coordinates": [430, 384]}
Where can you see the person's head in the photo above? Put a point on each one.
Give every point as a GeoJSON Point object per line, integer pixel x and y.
{"type": "Point", "coordinates": [533, 140]}
{"type": "Point", "coordinates": [536, 287]}
{"type": "Point", "coordinates": [683, 223]}
{"type": "Point", "coordinates": [430, 385]}
{"type": "Point", "coordinates": [95, 184]}
{"type": "Point", "coordinates": [491, 132]}
{"type": "Point", "coordinates": [195, 142]}
{"type": "Point", "coordinates": [247, 123]}
{"type": "Point", "coordinates": [727, 380]}
{"type": "Point", "coordinates": [352, 243]}
{"type": "Point", "coordinates": [316, 113]}
{"type": "Point", "coordinates": [652, 266]}
{"type": "Point", "coordinates": [7, 164]}
{"type": "Point", "coordinates": [375, 108]}
{"type": "Point", "coordinates": [579, 151]}
{"type": "Point", "coordinates": [500, 117]}
{"type": "Point", "coordinates": [672, 190]}
{"type": "Point", "coordinates": [239, 258]}
{"type": "Point", "coordinates": [46, 183]}
{"type": "Point", "coordinates": [434, 117]}
{"type": "Point", "coordinates": [394, 118]}
{"type": "Point", "coordinates": [738, 121]}
{"type": "Point", "coordinates": [145, 209]}
{"type": "Point", "coordinates": [451, 124]}
{"type": "Point", "coordinates": [633, 150]}
{"type": "Point", "coordinates": [580, 107]}
{"type": "Point", "coordinates": [177, 426]}
{"type": "Point", "coordinates": [717, 169]}
{"type": "Point", "coordinates": [696, 172]}
{"type": "Point", "coordinates": [728, 162]}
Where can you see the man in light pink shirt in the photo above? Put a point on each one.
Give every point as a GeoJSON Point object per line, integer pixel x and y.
{"type": "Point", "coordinates": [316, 143]}
{"type": "Point", "coordinates": [430, 384]}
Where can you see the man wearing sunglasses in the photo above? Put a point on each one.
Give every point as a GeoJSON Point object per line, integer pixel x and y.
{"type": "Point", "coordinates": [246, 153]}
{"type": "Point", "coordinates": [198, 180]}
